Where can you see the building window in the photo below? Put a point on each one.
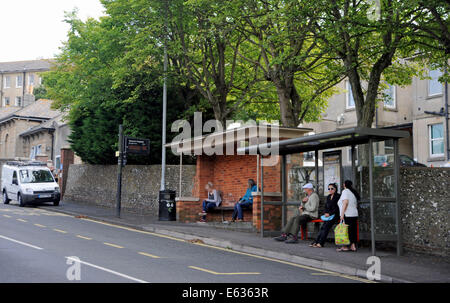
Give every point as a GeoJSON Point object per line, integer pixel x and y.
{"type": "Point", "coordinates": [5, 101]}
{"type": "Point", "coordinates": [7, 82]}
{"type": "Point", "coordinates": [436, 140]}
{"type": "Point", "coordinates": [389, 96]}
{"type": "Point", "coordinates": [434, 86]}
{"type": "Point", "coordinates": [19, 81]}
{"type": "Point", "coordinates": [30, 80]}
{"type": "Point", "coordinates": [350, 102]}
{"type": "Point", "coordinates": [35, 151]}
{"type": "Point", "coordinates": [18, 101]}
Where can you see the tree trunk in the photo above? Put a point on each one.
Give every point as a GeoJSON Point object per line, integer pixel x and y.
{"type": "Point", "coordinates": [287, 96]}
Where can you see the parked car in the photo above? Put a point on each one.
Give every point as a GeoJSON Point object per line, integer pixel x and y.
{"type": "Point", "coordinates": [388, 160]}
{"type": "Point", "coordinates": [28, 183]}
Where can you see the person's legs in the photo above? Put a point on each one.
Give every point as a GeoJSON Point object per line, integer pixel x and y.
{"type": "Point", "coordinates": [285, 230]}
{"type": "Point", "coordinates": [295, 227]}
{"type": "Point", "coordinates": [235, 211]}
{"type": "Point", "coordinates": [243, 205]}
{"type": "Point", "coordinates": [324, 230]}
{"type": "Point", "coordinates": [352, 232]}
{"type": "Point", "coordinates": [207, 206]}
{"type": "Point", "coordinates": [300, 221]}
{"type": "Point", "coordinates": [210, 205]}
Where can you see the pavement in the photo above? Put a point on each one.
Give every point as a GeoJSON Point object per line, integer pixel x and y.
{"type": "Point", "coordinates": [411, 267]}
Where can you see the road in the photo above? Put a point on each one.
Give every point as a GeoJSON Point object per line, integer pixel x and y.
{"type": "Point", "coordinates": [37, 245]}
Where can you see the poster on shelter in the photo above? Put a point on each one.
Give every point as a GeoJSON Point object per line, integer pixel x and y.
{"type": "Point", "coordinates": [331, 170]}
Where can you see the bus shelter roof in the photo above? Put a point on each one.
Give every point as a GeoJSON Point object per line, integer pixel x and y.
{"type": "Point", "coordinates": [334, 139]}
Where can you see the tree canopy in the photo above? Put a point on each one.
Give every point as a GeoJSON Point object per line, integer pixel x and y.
{"type": "Point", "coordinates": [242, 59]}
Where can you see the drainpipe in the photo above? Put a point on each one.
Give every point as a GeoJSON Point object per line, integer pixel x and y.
{"type": "Point", "coordinates": [52, 148]}
{"type": "Point", "coordinates": [23, 87]}
{"type": "Point", "coordinates": [1, 88]}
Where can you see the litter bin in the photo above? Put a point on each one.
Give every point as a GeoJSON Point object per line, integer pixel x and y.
{"type": "Point", "coordinates": [167, 205]}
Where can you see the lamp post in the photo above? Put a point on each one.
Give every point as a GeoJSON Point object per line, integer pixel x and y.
{"type": "Point", "coordinates": [164, 110]}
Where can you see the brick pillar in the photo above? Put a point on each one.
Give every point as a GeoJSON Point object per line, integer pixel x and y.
{"type": "Point", "coordinates": [188, 209]}
{"type": "Point", "coordinates": [272, 213]}
{"type": "Point", "coordinates": [67, 158]}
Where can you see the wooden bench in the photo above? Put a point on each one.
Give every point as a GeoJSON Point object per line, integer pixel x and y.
{"type": "Point", "coordinates": [304, 231]}
{"type": "Point", "coordinates": [227, 204]}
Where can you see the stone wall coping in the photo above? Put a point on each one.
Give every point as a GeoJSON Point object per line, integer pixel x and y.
{"type": "Point", "coordinates": [266, 194]}
{"type": "Point", "coordinates": [187, 199]}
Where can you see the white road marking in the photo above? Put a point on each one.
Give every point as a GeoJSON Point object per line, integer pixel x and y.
{"type": "Point", "coordinates": [20, 242]}
{"type": "Point", "coordinates": [113, 245]}
{"type": "Point", "coordinates": [108, 270]}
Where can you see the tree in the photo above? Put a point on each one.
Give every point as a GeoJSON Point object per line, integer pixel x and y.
{"type": "Point", "coordinates": [432, 35]}
{"type": "Point", "coordinates": [204, 36]}
{"type": "Point", "coordinates": [101, 87]}
{"type": "Point", "coordinates": [285, 51]}
{"type": "Point", "coordinates": [369, 50]}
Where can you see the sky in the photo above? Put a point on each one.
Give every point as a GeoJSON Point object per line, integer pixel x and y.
{"type": "Point", "coordinates": [32, 29]}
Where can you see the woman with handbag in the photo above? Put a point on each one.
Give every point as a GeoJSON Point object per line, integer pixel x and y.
{"type": "Point", "coordinates": [348, 209]}
{"type": "Point", "coordinates": [330, 217]}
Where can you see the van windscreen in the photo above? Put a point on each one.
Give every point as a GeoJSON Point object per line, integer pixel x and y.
{"type": "Point", "coordinates": [35, 176]}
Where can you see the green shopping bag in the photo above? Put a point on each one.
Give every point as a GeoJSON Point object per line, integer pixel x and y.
{"type": "Point", "coordinates": [341, 234]}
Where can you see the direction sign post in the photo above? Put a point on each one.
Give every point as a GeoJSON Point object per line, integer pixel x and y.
{"type": "Point", "coordinates": [137, 146]}
{"type": "Point", "coordinates": [128, 145]}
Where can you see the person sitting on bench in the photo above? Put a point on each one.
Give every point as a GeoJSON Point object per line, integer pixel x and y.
{"type": "Point", "coordinates": [331, 209]}
{"type": "Point", "coordinates": [245, 202]}
{"type": "Point", "coordinates": [213, 200]}
{"type": "Point", "coordinates": [308, 211]}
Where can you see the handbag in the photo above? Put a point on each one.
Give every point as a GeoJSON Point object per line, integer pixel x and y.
{"type": "Point", "coordinates": [341, 234]}
{"type": "Point", "coordinates": [329, 218]}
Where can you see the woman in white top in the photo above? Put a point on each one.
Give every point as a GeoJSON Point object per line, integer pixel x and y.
{"type": "Point", "coordinates": [348, 209]}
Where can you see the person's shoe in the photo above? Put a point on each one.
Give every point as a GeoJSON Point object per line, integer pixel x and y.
{"type": "Point", "coordinates": [281, 238]}
{"type": "Point", "coordinates": [291, 240]}
{"type": "Point", "coordinates": [202, 221]}
{"type": "Point", "coordinates": [203, 213]}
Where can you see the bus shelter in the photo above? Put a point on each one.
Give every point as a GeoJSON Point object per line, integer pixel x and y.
{"type": "Point", "coordinates": [376, 176]}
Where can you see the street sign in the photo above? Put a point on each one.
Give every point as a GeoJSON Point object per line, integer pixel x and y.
{"type": "Point", "coordinates": [137, 146]}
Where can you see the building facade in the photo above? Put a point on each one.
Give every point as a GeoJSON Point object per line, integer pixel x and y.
{"type": "Point", "coordinates": [19, 79]}
{"type": "Point", "coordinates": [413, 108]}
{"type": "Point", "coordinates": [14, 122]}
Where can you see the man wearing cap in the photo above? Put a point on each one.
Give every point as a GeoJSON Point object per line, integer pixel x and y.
{"type": "Point", "coordinates": [307, 211]}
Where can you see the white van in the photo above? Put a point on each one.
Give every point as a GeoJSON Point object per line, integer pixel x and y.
{"type": "Point", "coordinates": [28, 183]}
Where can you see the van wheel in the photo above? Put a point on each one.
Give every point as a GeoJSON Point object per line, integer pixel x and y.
{"type": "Point", "coordinates": [55, 203]}
{"type": "Point", "coordinates": [5, 197]}
{"type": "Point", "coordinates": [19, 199]}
